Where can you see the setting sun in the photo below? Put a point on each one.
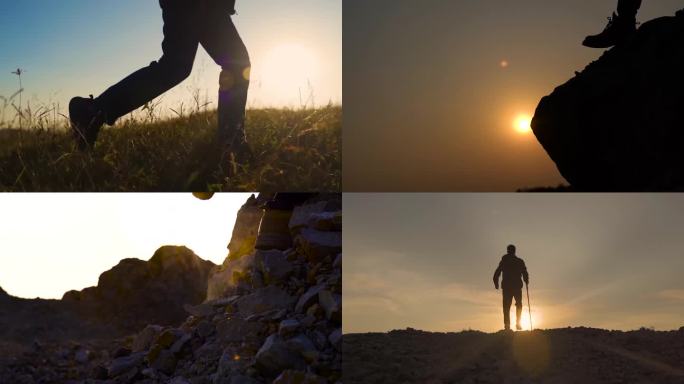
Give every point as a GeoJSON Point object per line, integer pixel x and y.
{"type": "Point", "coordinates": [522, 124]}
{"type": "Point", "coordinates": [525, 319]}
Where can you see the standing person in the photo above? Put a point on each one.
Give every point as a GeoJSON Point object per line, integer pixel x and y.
{"type": "Point", "coordinates": [513, 269]}
{"type": "Point", "coordinates": [620, 26]}
{"type": "Point", "coordinates": [187, 23]}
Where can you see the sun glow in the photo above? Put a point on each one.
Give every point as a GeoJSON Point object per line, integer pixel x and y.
{"type": "Point", "coordinates": [525, 320]}
{"type": "Point", "coordinates": [522, 124]}
{"type": "Point", "coordinates": [288, 69]}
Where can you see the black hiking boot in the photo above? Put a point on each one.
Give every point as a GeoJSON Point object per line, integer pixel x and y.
{"type": "Point", "coordinates": [86, 121]}
{"type": "Point", "coordinates": [619, 29]}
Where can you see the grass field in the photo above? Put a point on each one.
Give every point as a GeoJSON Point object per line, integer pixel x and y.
{"type": "Point", "coordinates": [295, 150]}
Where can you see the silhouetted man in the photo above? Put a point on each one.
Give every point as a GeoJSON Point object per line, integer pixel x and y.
{"type": "Point", "coordinates": [513, 268]}
{"type": "Point", "coordinates": [187, 23]}
{"type": "Point", "coordinates": [620, 26]}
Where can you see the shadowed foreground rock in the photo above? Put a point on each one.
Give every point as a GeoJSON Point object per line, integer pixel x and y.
{"type": "Point", "coordinates": [571, 355]}
{"type": "Point", "coordinates": [618, 125]}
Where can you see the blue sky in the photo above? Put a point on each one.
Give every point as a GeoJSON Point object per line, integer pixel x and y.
{"type": "Point", "coordinates": [77, 47]}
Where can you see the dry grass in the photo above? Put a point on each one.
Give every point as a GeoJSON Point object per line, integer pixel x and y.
{"type": "Point", "coordinates": [296, 150]}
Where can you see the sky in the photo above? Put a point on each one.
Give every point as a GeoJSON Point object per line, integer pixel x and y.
{"type": "Point", "coordinates": [435, 89]}
{"type": "Point", "coordinates": [81, 47]}
{"type": "Point", "coordinates": [611, 261]}
{"type": "Point", "coordinates": [53, 243]}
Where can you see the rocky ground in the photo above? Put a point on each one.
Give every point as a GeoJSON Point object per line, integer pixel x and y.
{"type": "Point", "coordinates": [274, 317]}
{"type": "Point", "coordinates": [571, 355]}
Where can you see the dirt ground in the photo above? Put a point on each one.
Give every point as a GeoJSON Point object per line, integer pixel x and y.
{"type": "Point", "coordinates": [570, 355]}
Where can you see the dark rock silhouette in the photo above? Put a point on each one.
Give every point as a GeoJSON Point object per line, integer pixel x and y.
{"type": "Point", "coordinates": [569, 355]}
{"type": "Point", "coordinates": [618, 125]}
{"type": "Point", "coordinates": [135, 292]}
{"type": "Point", "coordinates": [3, 295]}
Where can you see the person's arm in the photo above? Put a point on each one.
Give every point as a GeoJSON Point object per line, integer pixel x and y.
{"type": "Point", "coordinates": [526, 276]}
{"type": "Point", "coordinates": [497, 273]}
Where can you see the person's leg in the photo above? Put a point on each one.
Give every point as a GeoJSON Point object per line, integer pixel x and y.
{"type": "Point", "coordinates": [507, 299]}
{"type": "Point", "coordinates": [621, 26]}
{"type": "Point", "coordinates": [221, 40]}
{"type": "Point", "coordinates": [179, 48]}
{"type": "Point", "coordinates": [628, 8]}
{"type": "Point", "coordinates": [518, 308]}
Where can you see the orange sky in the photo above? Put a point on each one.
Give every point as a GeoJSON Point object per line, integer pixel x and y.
{"type": "Point", "coordinates": [430, 105]}
{"type": "Point", "coordinates": [426, 260]}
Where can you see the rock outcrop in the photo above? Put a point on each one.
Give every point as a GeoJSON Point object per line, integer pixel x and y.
{"type": "Point", "coordinates": [3, 295]}
{"type": "Point", "coordinates": [246, 226]}
{"type": "Point", "coordinates": [569, 355]}
{"type": "Point", "coordinates": [617, 125]}
{"type": "Point", "coordinates": [277, 321]}
{"type": "Point", "coordinates": [135, 292]}
{"type": "Point", "coordinates": [129, 296]}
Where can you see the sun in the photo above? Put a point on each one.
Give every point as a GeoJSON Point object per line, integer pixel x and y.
{"type": "Point", "coordinates": [525, 319]}
{"type": "Point", "coordinates": [523, 124]}
{"type": "Point", "coordinates": [288, 69]}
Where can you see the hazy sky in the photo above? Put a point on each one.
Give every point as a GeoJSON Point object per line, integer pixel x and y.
{"type": "Point", "coordinates": [52, 243]}
{"type": "Point", "coordinates": [426, 260]}
{"type": "Point", "coordinates": [79, 47]}
{"type": "Point", "coordinates": [430, 106]}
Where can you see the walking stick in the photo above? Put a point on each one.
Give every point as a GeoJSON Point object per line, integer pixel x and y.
{"type": "Point", "coordinates": [529, 306]}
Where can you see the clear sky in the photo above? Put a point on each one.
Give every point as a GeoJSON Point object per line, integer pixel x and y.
{"type": "Point", "coordinates": [436, 89]}
{"type": "Point", "coordinates": [53, 243]}
{"type": "Point", "coordinates": [81, 47]}
{"type": "Point", "coordinates": [426, 260]}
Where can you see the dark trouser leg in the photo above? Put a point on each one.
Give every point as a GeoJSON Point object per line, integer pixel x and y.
{"type": "Point", "coordinates": [507, 299]}
{"type": "Point", "coordinates": [179, 49]}
{"type": "Point", "coordinates": [221, 40]}
{"type": "Point", "coordinates": [518, 305]}
{"type": "Point", "coordinates": [628, 8]}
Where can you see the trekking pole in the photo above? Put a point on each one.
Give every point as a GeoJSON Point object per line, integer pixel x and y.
{"type": "Point", "coordinates": [529, 306]}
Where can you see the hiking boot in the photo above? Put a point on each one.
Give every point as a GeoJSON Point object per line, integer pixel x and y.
{"type": "Point", "coordinates": [518, 327]}
{"type": "Point", "coordinates": [274, 229]}
{"type": "Point", "coordinates": [619, 28]}
{"type": "Point", "coordinates": [86, 121]}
